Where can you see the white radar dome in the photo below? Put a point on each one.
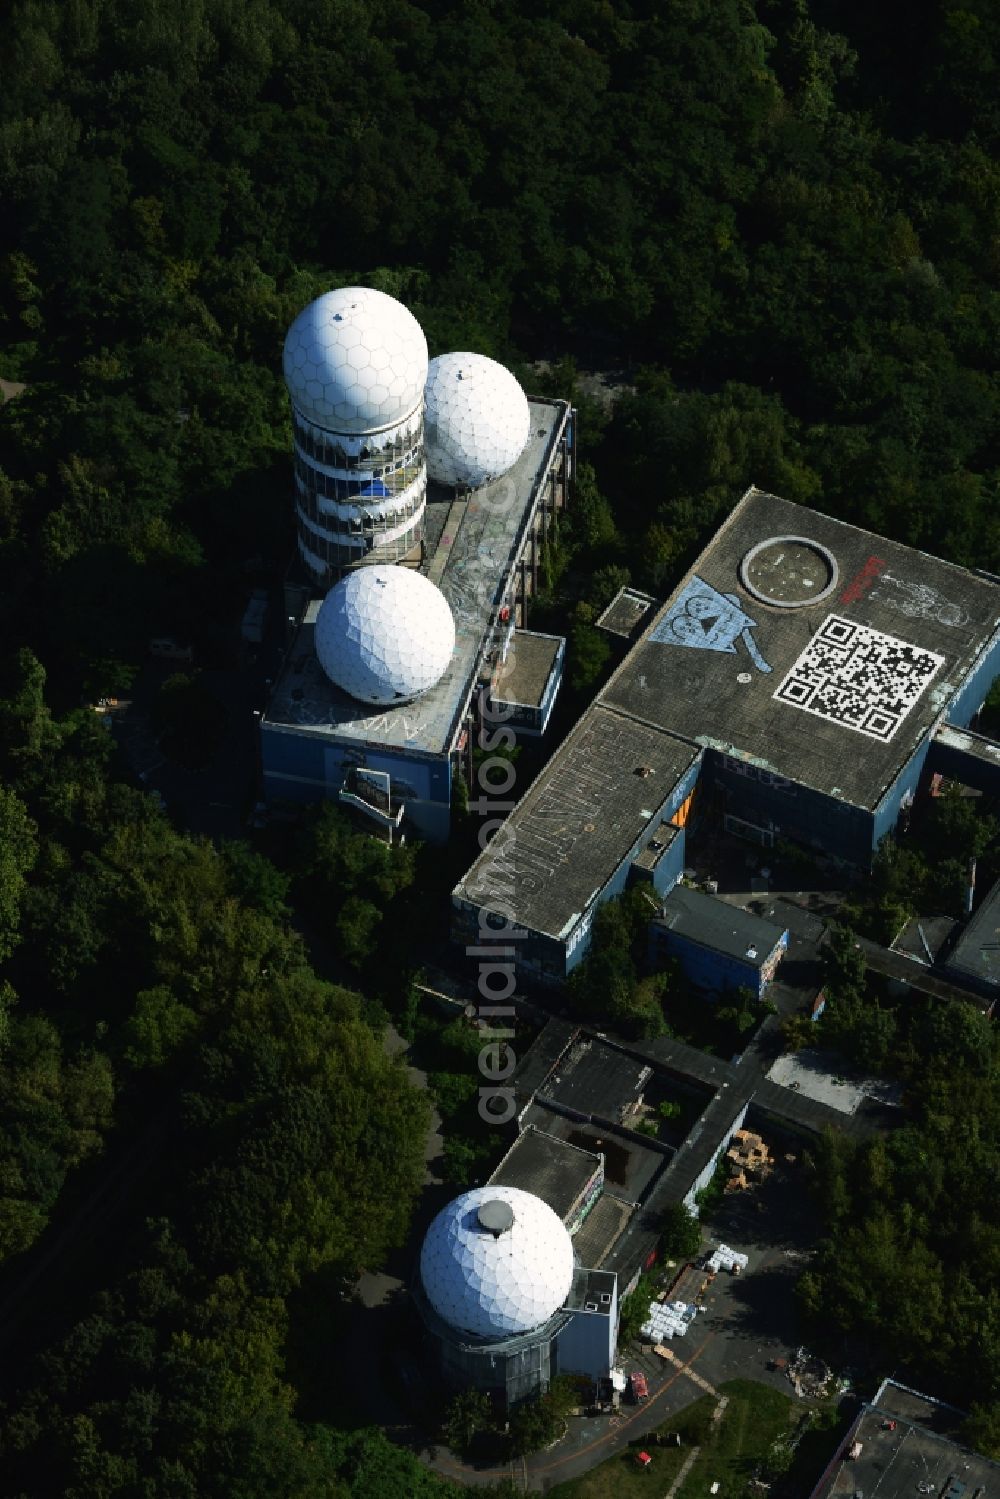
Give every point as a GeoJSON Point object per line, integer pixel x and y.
{"type": "Point", "coordinates": [476, 419]}
{"type": "Point", "coordinates": [355, 361]}
{"type": "Point", "coordinates": [384, 634]}
{"type": "Point", "coordinates": [496, 1262]}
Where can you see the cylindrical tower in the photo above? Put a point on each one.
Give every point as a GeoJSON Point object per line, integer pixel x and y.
{"type": "Point", "coordinates": [355, 363]}
{"type": "Point", "coordinates": [496, 1269]}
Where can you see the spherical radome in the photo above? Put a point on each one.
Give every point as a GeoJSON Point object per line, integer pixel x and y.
{"type": "Point", "coordinates": [355, 360]}
{"type": "Point", "coordinates": [384, 634]}
{"type": "Point", "coordinates": [476, 419]}
{"type": "Point", "coordinates": [496, 1284]}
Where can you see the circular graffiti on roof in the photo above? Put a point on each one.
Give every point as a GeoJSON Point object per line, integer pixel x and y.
{"type": "Point", "coordinates": [789, 572]}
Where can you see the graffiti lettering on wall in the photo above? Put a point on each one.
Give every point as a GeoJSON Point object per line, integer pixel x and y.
{"type": "Point", "coordinates": [568, 807]}
{"type": "Point", "coordinates": [758, 773]}
{"type": "Point", "coordinates": [919, 601]}
{"type": "Point", "coordinates": [702, 619]}
{"type": "Point", "coordinates": [863, 580]}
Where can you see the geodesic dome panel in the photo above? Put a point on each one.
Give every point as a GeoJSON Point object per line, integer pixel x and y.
{"type": "Point", "coordinates": [497, 1285]}
{"type": "Point", "coordinates": [384, 634]}
{"type": "Point", "coordinates": [476, 419]}
{"type": "Point", "coordinates": [355, 360]}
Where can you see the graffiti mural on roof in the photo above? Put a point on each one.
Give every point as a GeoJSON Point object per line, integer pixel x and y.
{"type": "Point", "coordinates": [703, 619]}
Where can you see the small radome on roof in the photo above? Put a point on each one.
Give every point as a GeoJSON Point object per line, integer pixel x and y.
{"type": "Point", "coordinates": [476, 419]}
{"type": "Point", "coordinates": [384, 634]}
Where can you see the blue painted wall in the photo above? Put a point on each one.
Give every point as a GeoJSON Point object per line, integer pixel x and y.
{"type": "Point", "coordinates": [586, 1344]}
{"type": "Point", "coordinates": [671, 866]}
{"type": "Point", "coordinates": [305, 768]}
{"type": "Point", "coordinates": [578, 940]}
{"type": "Point", "coordinates": [705, 967]}
{"type": "Point", "coordinates": [969, 699]}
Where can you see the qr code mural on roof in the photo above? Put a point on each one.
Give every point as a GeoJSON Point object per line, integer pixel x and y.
{"type": "Point", "coordinates": [858, 677]}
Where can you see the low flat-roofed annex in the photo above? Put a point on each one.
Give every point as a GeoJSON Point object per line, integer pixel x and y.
{"type": "Point", "coordinates": [718, 925]}
{"type": "Point", "coordinates": [916, 1455]}
{"type": "Point", "coordinates": [721, 668]}
{"type": "Point", "coordinates": [549, 1167]}
{"type": "Point", "coordinates": [578, 821]}
{"type": "Point", "coordinates": [522, 679]}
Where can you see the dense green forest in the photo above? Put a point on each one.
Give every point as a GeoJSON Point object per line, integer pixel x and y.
{"type": "Point", "coordinates": [907, 1275]}
{"type": "Point", "coordinates": [775, 228]}
{"type": "Point", "coordinates": [784, 237]}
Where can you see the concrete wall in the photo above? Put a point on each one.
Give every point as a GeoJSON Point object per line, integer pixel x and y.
{"type": "Point", "coordinates": [552, 687]}
{"type": "Point", "coordinates": [591, 1192]}
{"type": "Point", "coordinates": [703, 1178]}
{"type": "Point", "coordinates": [972, 758]}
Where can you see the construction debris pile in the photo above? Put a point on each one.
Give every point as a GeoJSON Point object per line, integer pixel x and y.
{"type": "Point", "coordinates": [749, 1159]}
{"type": "Point", "coordinates": [809, 1375]}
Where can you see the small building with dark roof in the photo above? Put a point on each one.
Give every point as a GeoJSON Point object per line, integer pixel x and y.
{"type": "Point", "coordinates": [526, 681]}
{"type": "Point", "coordinates": [597, 1081]}
{"type": "Point", "coordinates": [718, 946]}
{"type": "Point", "coordinates": [974, 960]}
{"type": "Point", "coordinates": [565, 1176]}
{"type": "Point", "coordinates": [903, 1443]}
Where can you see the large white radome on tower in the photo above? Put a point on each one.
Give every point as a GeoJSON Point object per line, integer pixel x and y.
{"type": "Point", "coordinates": [384, 634]}
{"type": "Point", "coordinates": [355, 360]}
{"type": "Point", "coordinates": [476, 419]}
{"type": "Point", "coordinates": [498, 1280]}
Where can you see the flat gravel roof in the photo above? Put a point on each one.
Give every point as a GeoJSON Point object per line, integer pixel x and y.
{"type": "Point", "coordinates": [718, 925]}
{"type": "Point", "coordinates": [577, 821]}
{"type": "Point", "coordinates": [547, 1166]}
{"type": "Point", "coordinates": [523, 677]}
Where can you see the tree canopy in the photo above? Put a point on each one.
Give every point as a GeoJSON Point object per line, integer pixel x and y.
{"type": "Point", "coordinates": [776, 246]}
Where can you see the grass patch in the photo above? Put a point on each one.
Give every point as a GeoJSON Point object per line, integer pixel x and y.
{"type": "Point", "coordinates": [731, 1449]}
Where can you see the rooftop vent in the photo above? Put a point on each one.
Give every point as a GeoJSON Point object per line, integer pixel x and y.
{"type": "Point", "coordinates": [590, 1306]}
{"type": "Point", "coordinates": [642, 771]}
{"type": "Point", "coordinates": [605, 1298]}
{"type": "Point", "coordinates": [496, 1217]}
